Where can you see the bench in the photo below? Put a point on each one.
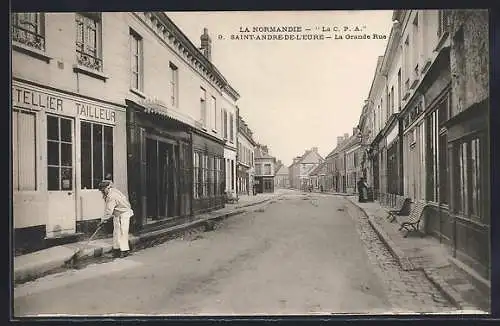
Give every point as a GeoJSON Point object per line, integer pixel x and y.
{"type": "Point", "coordinates": [230, 199]}
{"type": "Point", "coordinates": [413, 221]}
{"type": "Point", "coordinates": [402, 208]}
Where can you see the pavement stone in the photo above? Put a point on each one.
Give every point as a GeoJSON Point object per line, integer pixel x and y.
{"type": "Point", "coordinates": [423, 255]}
{"type": "Point", "coordinates": [34, 265]}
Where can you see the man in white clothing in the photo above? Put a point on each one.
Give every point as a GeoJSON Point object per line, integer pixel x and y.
{"type": "Point", "coordinates": [118, 207]}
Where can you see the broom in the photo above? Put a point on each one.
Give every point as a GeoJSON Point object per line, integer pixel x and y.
{"type": "Point", "coordinates": [79, 251]}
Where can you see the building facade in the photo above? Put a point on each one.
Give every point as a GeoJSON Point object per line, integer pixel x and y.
{"type": "Point", "coordinates": [177, 153]}
{"type": "Point", "coordinates": [246, 165]}
{"type": "Point", "coordinates": [302, 166]}
{"type": "Point", "coordinates": [122, 96]}
{"type": "Point", "coordinates": [281, 179]}
{"type": "Point", "coordinates": [429, 103]}
{"type": "Point", "coordinates": [467, 132]}
{"type": "Point", "coordinates": [68, 122]}
{"type": "Point", "coordinates": [264, 170]}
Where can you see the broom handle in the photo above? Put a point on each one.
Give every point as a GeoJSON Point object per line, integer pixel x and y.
{"type": "Point", "coordinates": [95, 232]}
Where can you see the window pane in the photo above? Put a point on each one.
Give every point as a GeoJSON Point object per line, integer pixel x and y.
{"type": "Point", "coordinates": [108, 152]}
{"type": "Point", "coordinates": [443, 169]}
{"type": "Point", "coordinates": [86, 155]}
{"type": "Point", "coordinates": [52, 128]}
{"type": "Point", "coordinates": [66, 157]}
{"type": "Point", "coordinates": [66, 130]}
{"type": "Point", "coordinates": [53, 178]}
{"type": "Point", "coordinates": [52, 153]}
{"type": "Point", "coordinates": [97, 154]}
{"type": "Point", "coordinates": [66, 179]}
{"type": "Point", "coordinates": [476, 178]}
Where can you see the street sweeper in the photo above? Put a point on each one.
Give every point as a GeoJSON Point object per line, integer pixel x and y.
{"type": "Point", "coordinates": [117, 207]}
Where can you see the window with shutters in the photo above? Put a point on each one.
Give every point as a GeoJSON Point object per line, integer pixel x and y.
{"type": "Point", "coordinates": [24, 151]}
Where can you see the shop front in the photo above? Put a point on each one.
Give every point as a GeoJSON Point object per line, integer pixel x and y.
{"type": "Point", "coordinates": [243, 179]}
{"type": "Point", "coordinates": [63, 145]}
{"type": "Point", "coordinates": [159, 167]}
{"type": "Point", "coordinates": [468, 150]}
{"type": "Point", "coordinates": [264, 184]}
{"type": "Point", "coordinates": [209, 173]}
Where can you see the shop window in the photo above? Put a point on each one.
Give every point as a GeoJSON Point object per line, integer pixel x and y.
{"type": "Point", "coordinates": [437, 162]}
{"type": "Point", "coordinates": [197, 176]}
{"type": "Point", "coordinates": [232, 174]}
{"type": "Point", "coordinates": [59, 153]}
{"type": "Point", "coordinates": [468, 177]}
{"type": "Point", "coordinates": [28, 29]}
{"type": "Point", "coordinates": [96, 154]}
{"type": "Point", "coordinates": [23, 151]}
{"type": "Point", "coordinates": [88, 40]}
{"type": "Point", "coordinates": [204, 170]}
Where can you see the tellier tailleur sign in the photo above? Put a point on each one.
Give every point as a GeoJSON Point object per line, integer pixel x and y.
{"type": "Point", "coordinates": [36, 100]}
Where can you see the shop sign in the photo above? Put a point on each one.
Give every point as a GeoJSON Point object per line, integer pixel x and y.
{"type": "Point", "coordinates": [41, 101]}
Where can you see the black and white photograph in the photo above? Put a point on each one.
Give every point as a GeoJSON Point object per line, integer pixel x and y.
{"type": "Point", "coordinates": [250, 163]}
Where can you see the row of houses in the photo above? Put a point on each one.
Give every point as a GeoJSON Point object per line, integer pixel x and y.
{"type": "Point", "coordinates": [124, 96]}
{"type": "Point", "coordinates": [423, 132]}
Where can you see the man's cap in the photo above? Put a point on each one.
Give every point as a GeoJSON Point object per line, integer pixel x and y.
{"type": "Point", "coordinates": [104, 183]}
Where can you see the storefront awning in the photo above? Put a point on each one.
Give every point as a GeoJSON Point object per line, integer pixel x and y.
{"type": "Point", "coordinates": [152, 108]}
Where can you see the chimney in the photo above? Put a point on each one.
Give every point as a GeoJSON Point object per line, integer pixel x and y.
{"type": "Point", "coordinates": [265, 149]}
{"type": "Point", "coordinates": [346, 136]}
{"type": "Point", "coordinates": [354, 131]}
{"type": "Point", "coordinates": [206, 44]}
{"type": "Point", "coordinates": [315, 149]}
{"type": "Point", "coordinates": [340, 139]}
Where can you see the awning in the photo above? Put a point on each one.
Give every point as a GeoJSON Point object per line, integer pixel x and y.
{"type": "Point", "coordinates": [157, 109]}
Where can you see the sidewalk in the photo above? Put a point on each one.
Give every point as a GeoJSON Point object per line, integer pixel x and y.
{"type": "Point", "coordinates": [426, 254]}
{"type": "Point", "coordinates": [34, 265]}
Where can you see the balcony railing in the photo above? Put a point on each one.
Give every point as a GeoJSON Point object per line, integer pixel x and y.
{"type": "Point", "coordinates": [88, 60]}
{"type": "Point", "coordinates": [28, 38]}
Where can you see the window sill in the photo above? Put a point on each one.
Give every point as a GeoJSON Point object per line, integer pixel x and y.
{"type": "Point", "coordinates": [90, 72]}
{"type": "Point", "coordinates": [35, 53]}
{"type": "Point", "coordinates": [137, 92]}
{"type": "Point", "coordinates": [214, 131]}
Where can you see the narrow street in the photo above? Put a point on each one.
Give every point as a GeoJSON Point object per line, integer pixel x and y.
{"type": "Point", "coordinates": [302, 254]}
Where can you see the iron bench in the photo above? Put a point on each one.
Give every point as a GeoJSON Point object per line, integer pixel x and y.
{"type": "Point", "coordinates": [413, 221]}
{"type": "Point", "coordinates": [402, 208]}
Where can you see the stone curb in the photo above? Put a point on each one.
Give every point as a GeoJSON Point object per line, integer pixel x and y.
{"type": "Point", "coordinates": [34, 271]}
{"type": "Point", "coordinates": [396, 252]}
{"type": "Point", "coordinates": [449, 293]}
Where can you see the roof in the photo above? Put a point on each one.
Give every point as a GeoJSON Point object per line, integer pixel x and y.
{"type": "Point", "coordinates": [318, 169]}
{"type": "Point", "coordinates": [305, 155]}
{"type": "Point", "coordinates": [282, 170]}
{"type": "Point", "coordinates": [259, 154]}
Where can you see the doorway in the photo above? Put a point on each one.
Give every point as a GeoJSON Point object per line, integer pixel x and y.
{"type": "Point", "coordinates": [162, 179]}
{"type": "Point", "coordinates": [60, 176]}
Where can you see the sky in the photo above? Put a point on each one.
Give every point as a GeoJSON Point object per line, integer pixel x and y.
{"type": "Point", "coordinates": [295, 94]}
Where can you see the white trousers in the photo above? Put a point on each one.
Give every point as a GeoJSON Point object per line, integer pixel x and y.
{"type": "Point", "coordinates": [120, 231]}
